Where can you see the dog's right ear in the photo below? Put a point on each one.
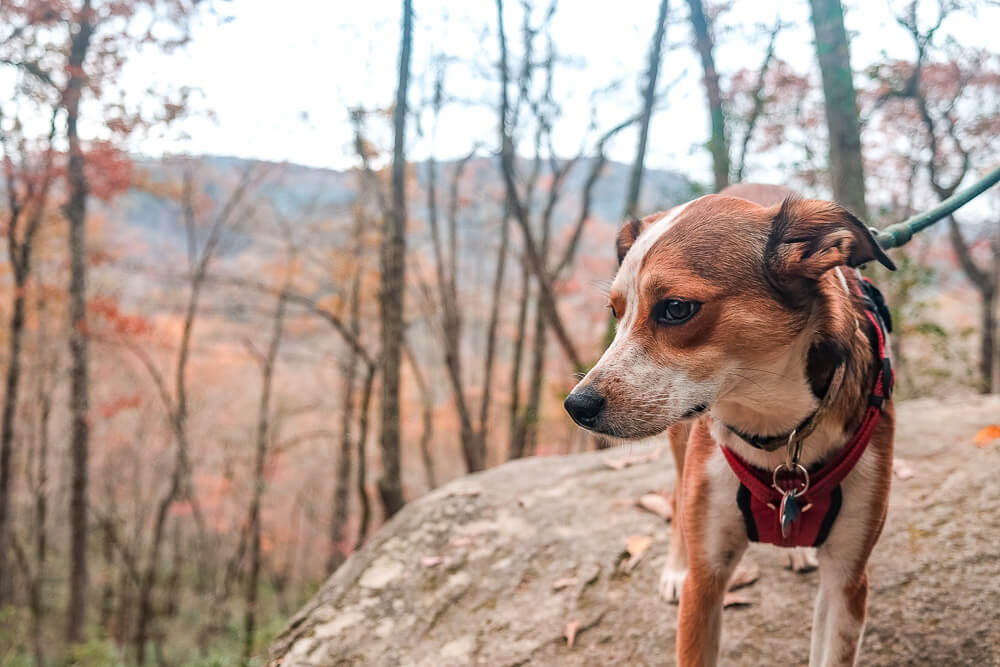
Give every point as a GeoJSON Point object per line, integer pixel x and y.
{"type": "Point", "coordinates": [626, 237]}
{"type": "Point", "coordinates": [809, 237]}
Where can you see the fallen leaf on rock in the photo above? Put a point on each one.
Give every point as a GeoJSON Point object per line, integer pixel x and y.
{"type": "Point", "coordinates": [635, 546]}
{"type": "Point", "coordinates": [431, 561]}
{"type": "Point", "coordinates": [744, 576]}
{"type": "Point", "coordinates": [565, 582]}
{"type": "Point", "coordinates": [987, 435]}
{"type": "Point", "coordinates": [658, 504]}
{"type": "Point", "coordinates": [570, 632]}
{"type": "Point", "coordinates": [902, 468]}
{"type": "Point", "coordinates": [735, 600]}
{"type": "Point", "coordinates": [622, 462]}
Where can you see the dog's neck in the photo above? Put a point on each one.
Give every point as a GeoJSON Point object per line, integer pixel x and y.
{"type": "Point", "coordinates": [776, 397]}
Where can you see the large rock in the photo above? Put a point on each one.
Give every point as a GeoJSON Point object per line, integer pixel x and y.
{"type": "Point", "coordinates": [468, 575]}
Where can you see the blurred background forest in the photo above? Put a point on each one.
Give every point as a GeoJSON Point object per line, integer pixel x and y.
{"type": "Point", "coordinates": [275, 269]}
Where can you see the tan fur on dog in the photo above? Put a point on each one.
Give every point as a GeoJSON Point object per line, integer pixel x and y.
{"type": "Point", "coordinates": [776, 316]}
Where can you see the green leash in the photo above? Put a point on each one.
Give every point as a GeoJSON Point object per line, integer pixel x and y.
{"type": "Point", "coordinates": [896, 235]}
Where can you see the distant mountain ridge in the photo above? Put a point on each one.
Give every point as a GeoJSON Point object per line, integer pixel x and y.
{"type": "Point", "coordinates": [296, 190]}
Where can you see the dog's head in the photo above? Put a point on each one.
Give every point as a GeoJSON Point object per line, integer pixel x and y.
{"type": "Point", "coordinates": [715, 300]}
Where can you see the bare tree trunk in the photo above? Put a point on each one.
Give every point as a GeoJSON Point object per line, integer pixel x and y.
{"type": "Point", "coordinates": [491, 330]}
{"type": "Point", "coordinates": [179, 484]}
{"type": "Point", "coordinates": [718, 143]}
{"type": "Point", "coordinates": [341, 490]}
{"type": "Point", "coordinates": [38, 607]}
{"type": "Point", "coordinates": [391, 299]}
{"type": "Point", "coordinates": [268, 363]}
{"type": "Point", "coordinates": [28, 201]}
{"type": "Point", "coordinates": [9, 409]}
{"type": "Point", "coordinates": [987, 348]}
{"type": "Point", "coordinates": [366, 397]}
{"type": "Point", "coordinates": [107, 577]}
{"type": "Point", "coordinates": [758, 101]}
{"type": "Point", "coordinates": [33, 586]}
{"type": "Point", "coordinates": [535, 260]}
{"type": "Point", "coordinates": [451, 319]}
{"type": "Point", "coordinates": [532, 411]}
{"type": "Point", "coordinates": [427, 419]}
{"type": "Point", "coordinates": [535, 384]}
{"type": "Point", "coordinates": [985, 282]}
{"type": "Point", "coordinates": [515, 449]}
{"type": "Point", "coordinates": [833, 52]}
{"type": "Point", "coordinates": [76, 215]}
{"type": "Point", "coordinates": [648, 101]}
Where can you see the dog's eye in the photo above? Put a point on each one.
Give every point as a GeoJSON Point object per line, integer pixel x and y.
{"type": "Point", "coordinates": [675, 311]}
{"type": "Point", "coordinates": [612, 309]}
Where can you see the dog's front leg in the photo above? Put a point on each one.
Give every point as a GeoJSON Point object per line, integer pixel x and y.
{"type": "Point", "coordinates": [841, 604]}
{"type": "Point", "coordinates": [716, 540]}
{"type": "Point", "coordinates": [675, 569]}
{"type": "Point", "coordinates": [839, 615]}
{"type": "Point", "coordinates": [699, 622]}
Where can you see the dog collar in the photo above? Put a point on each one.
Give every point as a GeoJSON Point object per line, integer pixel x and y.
{"type": "Point", "coordinates": [770, 443]}
{"type": "Point", "coordinates": [794, 507]}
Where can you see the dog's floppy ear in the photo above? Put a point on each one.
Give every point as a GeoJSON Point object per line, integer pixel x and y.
{"type": "Point", "coordinates": [809, 237]}
{"type": "Point", "coordinates": [626, 237]}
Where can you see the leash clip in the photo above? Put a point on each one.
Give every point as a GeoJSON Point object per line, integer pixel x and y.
{"type": "Point", "coordinates": [791, 480]}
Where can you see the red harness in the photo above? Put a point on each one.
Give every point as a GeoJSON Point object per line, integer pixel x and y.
{"type": "Point", "coordinates": [760, 501]}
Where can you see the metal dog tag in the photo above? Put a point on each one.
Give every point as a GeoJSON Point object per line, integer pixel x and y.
{"type": "Point", "coordinates": [788, 512]}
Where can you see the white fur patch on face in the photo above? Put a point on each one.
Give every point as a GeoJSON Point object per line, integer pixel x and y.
{"type": "Point", "coordinates": [658, 394]}
{"type": "Point", "coordinates": [627, 279]}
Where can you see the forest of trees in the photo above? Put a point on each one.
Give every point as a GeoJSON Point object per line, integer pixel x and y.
{"type": "Point", "coordinates": [222, 375]}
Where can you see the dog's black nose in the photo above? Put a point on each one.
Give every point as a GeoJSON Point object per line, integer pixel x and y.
{"type": "Point", "coordinates": [584, 406]}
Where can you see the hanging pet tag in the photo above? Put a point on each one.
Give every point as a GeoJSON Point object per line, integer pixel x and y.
{"type": "Point", "coordinates": [788, 512]}
{"type": "Point", "coordinates": [792, 481]}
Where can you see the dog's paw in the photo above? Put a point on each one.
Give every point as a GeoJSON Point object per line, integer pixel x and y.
{"type": "Point", "coordinates": [802, 559]}
{"type": "Point", "coordinates": [671, 582]}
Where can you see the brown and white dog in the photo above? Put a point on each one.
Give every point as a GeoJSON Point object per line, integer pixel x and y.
{"type": "Point", "coordinates": [738, 313]}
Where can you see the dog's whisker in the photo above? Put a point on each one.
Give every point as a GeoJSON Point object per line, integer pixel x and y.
{"type": "Point", "coordinates": [762, 370]}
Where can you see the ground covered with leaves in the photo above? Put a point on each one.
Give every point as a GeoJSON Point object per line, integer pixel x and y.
{"type": "Point", "coordinates": [556, 561]}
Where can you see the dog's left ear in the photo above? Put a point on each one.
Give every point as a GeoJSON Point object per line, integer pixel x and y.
{"type": "Point", "coordinates": [809, 237]}
{"type": "Point", "coordinates": [626, 237]}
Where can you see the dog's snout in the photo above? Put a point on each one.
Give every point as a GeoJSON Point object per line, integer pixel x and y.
{"type": "Point", "coordinates": [584, 406]}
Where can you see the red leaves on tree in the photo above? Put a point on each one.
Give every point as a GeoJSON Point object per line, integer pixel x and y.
{"type": "Point", "coordinates": [121, 323]}
{"type": "Point", "coordinates": [109, 170]}
{"type": "Point", "coordinates": [112, 408]}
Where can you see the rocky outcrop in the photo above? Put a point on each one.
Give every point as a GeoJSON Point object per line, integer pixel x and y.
{"type": "Point", "coordinates": [498, 568]}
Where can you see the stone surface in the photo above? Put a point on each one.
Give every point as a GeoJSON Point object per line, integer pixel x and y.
{"type": "Point", "coordinates": [465, 575]}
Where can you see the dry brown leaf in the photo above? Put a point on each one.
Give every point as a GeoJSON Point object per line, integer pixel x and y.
{"type": "Point", "coordinates": [658, 504]}
{"type": "Point", "coordinates": [565, 582]}
{"type": "Point", "coordinates": [744, 576]}
{"type": "Point", "coordinates": [636, 546]}
{"type": "Point", "coordinates": [570, 633]}
{"type": "Point", "coordinates": [622, 462]}
{"type": "Point", "coordinates": [987, 435]}
{"type": "Point", "coordinates": [617, 463]}
{"type": "Point", "coordinates": [431, 561]}
{"type": "Point", "coordinates": [902, 468]}
{"type": "Point", "coordinates": [735, 600]}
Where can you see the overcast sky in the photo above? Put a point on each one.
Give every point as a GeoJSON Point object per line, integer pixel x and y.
{"type": "Point", "coordinates": [280, 75]}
